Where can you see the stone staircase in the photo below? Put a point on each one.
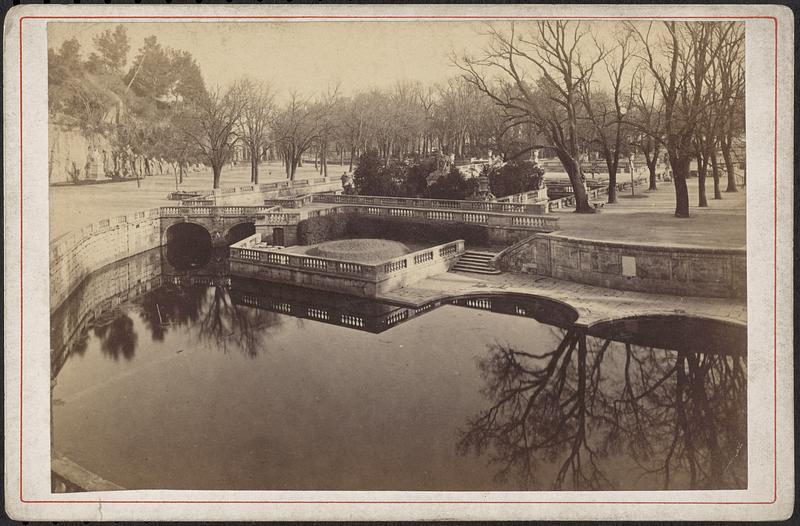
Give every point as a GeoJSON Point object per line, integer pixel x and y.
{"type": "Point", "coordinates": [475, 262]}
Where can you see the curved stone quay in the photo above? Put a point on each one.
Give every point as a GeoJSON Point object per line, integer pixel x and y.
{"type": "Point", "coordinates": [263, 289]}
{"type": "Point", "coordinates": [593, 304]}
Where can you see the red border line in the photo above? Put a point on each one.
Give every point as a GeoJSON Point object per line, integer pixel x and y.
{"type": "Point", "coordinates": [21, 252]}
{"type": "Point", "coordinates": [775, 280]}
{"type": "Point", "coordinates": [441, 18]}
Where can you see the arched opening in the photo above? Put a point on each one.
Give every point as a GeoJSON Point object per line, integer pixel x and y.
{"type": "Point", "coordinates": [239, 232]}
{"type": "Point", "coordinates": [676, 332]}
{"type": "Point", "coordinates": [188, 246]}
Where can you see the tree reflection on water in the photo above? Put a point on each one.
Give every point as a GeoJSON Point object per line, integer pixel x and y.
{"type": "Point", "coordinates": [118, 337]}
{"type": "Point", "coordinates": [602, 414]}
{"type": "Point", "coordinates": [227, 325]}
{"type": "Point", "coordinates": [171, 306]}
{"type": "Point", "coordinates": [208, 312]}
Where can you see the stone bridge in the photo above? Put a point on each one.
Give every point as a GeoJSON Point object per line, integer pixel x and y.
{"type": "Point", "coordinates": [224, 224]}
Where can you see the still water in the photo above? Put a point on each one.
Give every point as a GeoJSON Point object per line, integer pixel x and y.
{"type": "Point", "coordinates": [191, 379]}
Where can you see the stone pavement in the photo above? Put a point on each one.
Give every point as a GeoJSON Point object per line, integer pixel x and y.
{"type": "Point", "coordinates": [73, 207]}
{"type": "Point", "coordinates": [651, 219]}
{"type": "Point", "coordinates": [593, 304]}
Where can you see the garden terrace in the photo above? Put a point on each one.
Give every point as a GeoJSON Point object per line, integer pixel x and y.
{"type": "Point", "coordinates": [251, 258]}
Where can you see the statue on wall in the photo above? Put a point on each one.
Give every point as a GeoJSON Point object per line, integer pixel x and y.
{"type": "Point", "coordinates": [347, 184]}
{"type": "Point", "coordinates": [91, 168]}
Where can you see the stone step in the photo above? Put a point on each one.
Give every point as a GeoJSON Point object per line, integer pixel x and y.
{"type": "Point", "coordinates": [478, 267]}
{"type": "Point", "coordinates": [475, 257]}
{"type": "Point", "coordinates": [473, 270]}
{"type": "Point", "coordinates": [473, 264]}
{"type": "Point", "coordinates": [481, 253]}
{"type": "Point", "coordinates": [476, 261]}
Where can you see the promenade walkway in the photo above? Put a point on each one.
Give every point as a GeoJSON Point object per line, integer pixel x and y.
{"type": "Point", "coordinates": [593, 304]}
{"type": "Point", "coordinates": [72, 207]}
{"type": "Point", "coordinates": [651, 219]}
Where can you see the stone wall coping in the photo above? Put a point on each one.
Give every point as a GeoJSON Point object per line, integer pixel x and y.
{"type": "Point", "coordinates": [80, 476]}
{"type": "Point", "coordinates": [649, 247]}
{"type": "Point", "coordinates": [374, 272]}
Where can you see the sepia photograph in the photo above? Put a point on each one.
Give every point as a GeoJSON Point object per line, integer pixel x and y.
{"type": "Point", "coordinates": [510, 258]}
{"type": "Point", "coordinates": [477, 254]}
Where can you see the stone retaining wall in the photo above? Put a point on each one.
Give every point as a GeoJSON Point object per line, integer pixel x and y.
{"type": "Point", "coordinates": [76, 255]}
{"type": "Point", "coordinates": [683, 271]}
{"type": "Point", "coordinates": [97, 294]}
{"type": "Point", "coordinates": [249, 259]}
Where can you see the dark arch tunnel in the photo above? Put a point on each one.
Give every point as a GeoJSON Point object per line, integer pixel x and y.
{"type": "Point", "coordinates": [239, 232]}
{"type": "Point", "coordinates": [188, 246]}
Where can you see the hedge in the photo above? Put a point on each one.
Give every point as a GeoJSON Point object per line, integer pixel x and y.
{"type": "Point", "coordinates": [338, 226]}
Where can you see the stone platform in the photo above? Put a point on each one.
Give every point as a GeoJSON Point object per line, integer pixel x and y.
{"type": "Point", "coordinates": [593, 304]}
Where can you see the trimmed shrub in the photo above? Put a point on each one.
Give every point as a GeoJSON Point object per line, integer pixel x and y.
{"type": "Point", "coordinates": [318, 229]}
{"type": "Point", "coordinates": [515, 177]}
{"type": "Point", "coordinates": [337, 226]}
{"type": "Point", "coordinates": [410, 231]}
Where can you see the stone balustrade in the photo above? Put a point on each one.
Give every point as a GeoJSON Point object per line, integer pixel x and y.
{"type": "Point", "coordinates": [291, 202]}
{"type": "Point", "coordinates": [432, 204]}
{"type": "Point", "coordinates": [279, 218]}
{"type": "Point", "coordinates": [594, 194]}
{"type": "Point", "coordinates": [540, 223]}
{"type": "Point", "coordinates": [531, 196]}
{"type": "Point", "coordinates": [225, 211]}
{"type": "Point", "coordinates": [249, 258]}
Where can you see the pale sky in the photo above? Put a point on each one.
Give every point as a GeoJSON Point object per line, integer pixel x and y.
{"type": "Point", "coordinates": [311, 56]}
{"type": "Point", "coordinates": [306, 56]}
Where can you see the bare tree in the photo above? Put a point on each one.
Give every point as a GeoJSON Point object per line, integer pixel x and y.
{"type": "Point", "coordinates": [299, 126]}
{"type": "Point", "coordinates": [355, 125]}
{"type": "Point", "coordinates": [648, 114]}
{"type": "Point", "coordinates": [551, 100]}
{"type": "Point", "coordinates": [214, 127]}
{"type": "Point", "coordinates": [254, 126]}
{"type": "Point", "coordinates": [606, 112]}
{"type": "Point", "coordinates": [679, 58]}
{"type": "Point", "coordinates": [729, 66]}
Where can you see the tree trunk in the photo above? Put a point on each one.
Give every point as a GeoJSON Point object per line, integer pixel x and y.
{"type": "Point", "coordinates": [680, 171]}
{"type": "Point", "coordinates": [726, 154]}
{"type": "Point", "coordinates": [651, 165]}
{"type": "Point", "coordinates": [651, 161]}
{"type": "Point", "coordinates": [715, 174]}
{"type": "Point", "coordinates": [216, 168]}
{"type": "Point", "coordinates": [612, 177]}
{"type": "Point", "coordinates": [612, 187]}
{"type": "Point", "coordinates": [701, 181]}
{"type": "Point", "coordinates": [254, 164]}
{"type": "Point", "coordinates": [573, 169]}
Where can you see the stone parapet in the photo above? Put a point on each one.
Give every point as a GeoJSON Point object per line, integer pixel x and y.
{"type": "Point", "coordinates": [250, 258]}
{"type": "Point", "coordinates": [661, 269]}
{"type": "Point", "coordinates": [431, 204]}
